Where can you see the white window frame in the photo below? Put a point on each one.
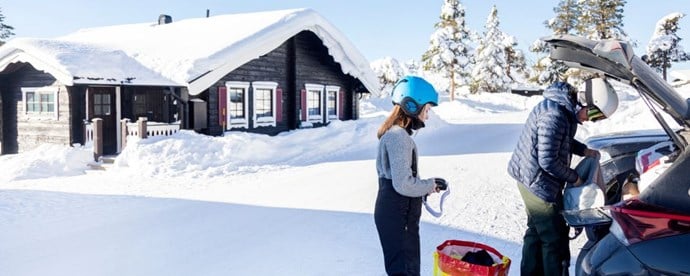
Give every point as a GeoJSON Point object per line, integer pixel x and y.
{"type": "Point", "coordinates": [237, 122]}
{"type": "Point", "coordinates": [311, 87]}
{"type": "Point", "coordinates": [38, 91]}
{"type": "Point", "coordinates": [336, 89]}
{"type": "Point", "coordinates": [264, 121]}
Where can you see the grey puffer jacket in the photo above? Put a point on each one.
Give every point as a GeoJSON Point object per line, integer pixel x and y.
{"type": "Point", "coordinates": [397, 161]}
{"type": "Point", "coordinates": [541, 159]}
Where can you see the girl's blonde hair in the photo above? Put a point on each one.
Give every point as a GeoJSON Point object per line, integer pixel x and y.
{"type": "Point", "coordinates": [398, 118]}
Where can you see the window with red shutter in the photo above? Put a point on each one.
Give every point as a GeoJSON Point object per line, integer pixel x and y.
{"type": "Point", "coordinates": [265, 99]}
{"type": "Point", "coordinates": [332, 102]}
{"type": "Point", "coordinates": [237, 101]}
{"type": "Point", "coordinates": [315, 100]}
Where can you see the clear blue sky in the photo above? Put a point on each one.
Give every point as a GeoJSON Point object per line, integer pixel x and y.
{"type": "Point", "coordinates": [378, 28]}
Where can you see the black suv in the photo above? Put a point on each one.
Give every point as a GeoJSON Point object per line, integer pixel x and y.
{"type": "Point", "coordinates": [648, 234]}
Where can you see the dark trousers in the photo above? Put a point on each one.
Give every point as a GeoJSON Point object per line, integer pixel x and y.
{"type": "Point", "coordinates": [397, 222]}
{"type": "Point", "coordinates": [545, 249]}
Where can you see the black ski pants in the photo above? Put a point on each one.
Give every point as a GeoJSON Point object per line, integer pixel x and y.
{"type": "Point", "coordinates": [397, 222]}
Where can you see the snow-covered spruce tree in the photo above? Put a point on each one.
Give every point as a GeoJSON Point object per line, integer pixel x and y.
{"type": "Point", "coordinates": [388, 71]}
{"type": "Point", "coordinates": [5, 30]}
{"type": "Point", "coordinates": [412, 66]}
{"type": "Point", "coordinates": [450, 47]}
{"type": "Point", "coordinates": [566, 21]}
{"type": "Point", "coordinates": [516, 67]}
{"type": "Point", "coordinates": [544, 70]}
{"type": "Point", "coordinates": [664, 47]}
{"type": "Point", "coordinates": [489, 71]}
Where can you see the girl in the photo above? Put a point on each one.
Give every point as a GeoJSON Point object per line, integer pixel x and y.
{"type": "Point", "coordinates": [399, 200]}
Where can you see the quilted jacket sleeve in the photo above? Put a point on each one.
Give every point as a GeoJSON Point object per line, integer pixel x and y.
{"type": "Point", "coordinates": [552, 130]}
{"type": "Point", "coordinates": [579, 148]}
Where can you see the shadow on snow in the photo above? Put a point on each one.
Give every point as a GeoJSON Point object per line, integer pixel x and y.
{"type": "Point", "coordinates": [54, 233]}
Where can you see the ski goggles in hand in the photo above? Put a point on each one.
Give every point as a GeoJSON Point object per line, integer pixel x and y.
{"type": "Point", "coordinates": [594, 114]}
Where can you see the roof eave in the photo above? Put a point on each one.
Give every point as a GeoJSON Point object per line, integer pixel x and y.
{"type": "Point", "coordinates": [18, 55]}
{"type": "Point", "coordinates": [278, 34]}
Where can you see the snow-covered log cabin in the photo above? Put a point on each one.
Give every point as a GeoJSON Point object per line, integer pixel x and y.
{"type": "Point", "coordinates": [263, 72]}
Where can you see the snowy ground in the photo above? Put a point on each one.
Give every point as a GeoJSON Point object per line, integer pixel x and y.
{"type": "Point", "coordinates": [300, 203]}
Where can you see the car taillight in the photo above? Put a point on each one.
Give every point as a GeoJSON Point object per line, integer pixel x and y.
{"type": "Point", "coordinates": [636, 221]}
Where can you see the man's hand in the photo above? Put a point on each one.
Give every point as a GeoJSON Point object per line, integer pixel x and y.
{"type": "Point", "coordinates": [578, 182]}
{"type": "Point", "coordinates": [592, 153]}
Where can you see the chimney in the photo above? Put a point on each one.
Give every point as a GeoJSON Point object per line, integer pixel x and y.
{"type": "Point", "coordinates": [164, 19]}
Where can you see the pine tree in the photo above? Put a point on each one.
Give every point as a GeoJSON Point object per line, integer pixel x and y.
{"type": "Point", "coordinates": [664, 47]}
{"type": "Point", "coordinates": [545, 70]}
{"type": "Point", "coordinates": [5, 30]}
{"type": "Point", "coordinates": [604, 20]}
{"type": "Point", "coordinates": [585, 20]}
{"type": "Point", "coordinates": [388, 71]}
{"type": "Point", "coordinates": [489, 71]}
{"type": "Point", "coordinates": [515, 58]}
{"type": "Point", "coordinates": [412, 66]}
{"type": "Point", "coordinates": [566, 21]}
{"type": "Point", "coordinates": [567, 17]}
{"type": "Point", "coordinates": [450, 47]}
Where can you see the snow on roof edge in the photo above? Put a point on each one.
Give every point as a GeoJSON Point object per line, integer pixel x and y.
{"type": "Point", "coordinates": [50, 56]}
{"type": "Point", "coordinates": [339, 47]}
{"type": "Point", "coordinates": [16, 50]}
{"type": "Point", "coordinates": [60, 58]}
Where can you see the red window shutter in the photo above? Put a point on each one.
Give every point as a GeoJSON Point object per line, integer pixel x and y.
{"type": "Point", "coordinates": [304, 104]}
{"type": "Point", "coordinates": [279, 104]}
{"type": "Point", "coordinates": [222, 106]}
{"type": "Point", "coordinates": [341, 104]}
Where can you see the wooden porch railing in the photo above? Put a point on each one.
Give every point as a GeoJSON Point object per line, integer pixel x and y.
{"type": "Point", "coordinates": [142, 129]}
{"type": "Point", "coordinates": [88, 133]}
{"type": "Point", "coordinates": [152, 129]}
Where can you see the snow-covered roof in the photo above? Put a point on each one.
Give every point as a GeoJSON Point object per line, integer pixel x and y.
{"type": "Point", "coordinates": [193, 52]}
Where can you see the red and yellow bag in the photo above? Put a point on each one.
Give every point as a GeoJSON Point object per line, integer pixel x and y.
{"type": "Point", "coordinates": [448, 255]}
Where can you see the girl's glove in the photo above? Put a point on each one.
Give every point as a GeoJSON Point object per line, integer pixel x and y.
{"type": "Point", "coordinates": [441, 184]}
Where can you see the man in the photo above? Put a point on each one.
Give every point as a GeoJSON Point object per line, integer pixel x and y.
{"type": "Point", "coordinates": [541, 165]}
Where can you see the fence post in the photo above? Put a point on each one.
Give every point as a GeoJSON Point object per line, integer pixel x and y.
{"type": "Point", "coordinates": [97, 138]}
{"type": "Point", "coordinates": [125, 132]}
{"type": "Point", "coordinates": [141, 124]}
{"type": "Point", "coordinates": [86, 133]}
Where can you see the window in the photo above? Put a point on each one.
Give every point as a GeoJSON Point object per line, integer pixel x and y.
{"type": "Point", "coordinates": [139, 104]}
{"type": "Point", "coordinates": [33, 104]}
{"type": "Point", "coordinates": [237, 104]}
{"type": "Point", "coordinates": [264, 103]}
{"type": "Point", "coordinates": [40, 101]}
{"type": "Point", "coordinates": [101, 104]}
{"type": "Point", "coordinates": [332, 102]}
{"type": "Point", "coordinates": [314, 102]}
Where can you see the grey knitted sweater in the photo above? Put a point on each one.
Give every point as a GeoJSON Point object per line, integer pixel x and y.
{"type": "Point", "coordinates": [397, 151]}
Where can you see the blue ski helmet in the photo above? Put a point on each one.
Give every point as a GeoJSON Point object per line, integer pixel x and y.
{"type": "Point", "coordinates": [412, 93]}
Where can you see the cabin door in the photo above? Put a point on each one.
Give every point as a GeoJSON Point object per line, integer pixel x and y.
{"type": "Point", "coordinates": [102, 105]}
